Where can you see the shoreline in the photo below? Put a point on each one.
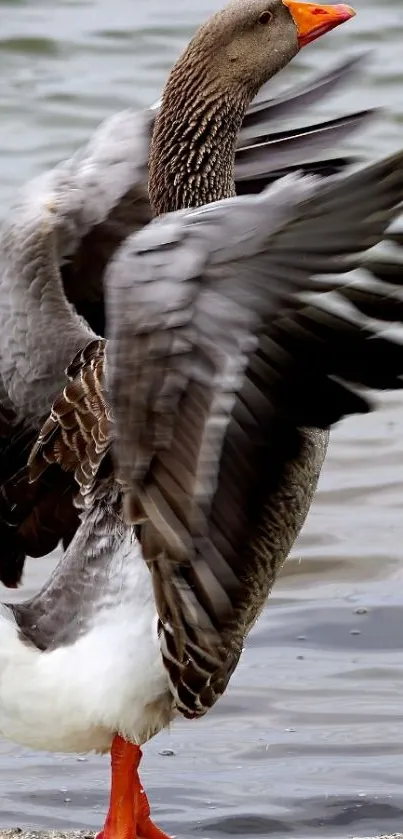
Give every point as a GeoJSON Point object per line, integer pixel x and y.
{"type": "Point", "coordinates": [20, 833]}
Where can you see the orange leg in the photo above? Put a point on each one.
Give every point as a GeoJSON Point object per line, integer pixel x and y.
{"type": "Point", "coordinates": [129, 811]}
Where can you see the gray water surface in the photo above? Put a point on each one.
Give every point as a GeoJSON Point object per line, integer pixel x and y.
{"type": "Point", "coordinates": [308, 740]}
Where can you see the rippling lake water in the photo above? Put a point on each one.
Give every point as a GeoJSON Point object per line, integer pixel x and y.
{"type": "Point", "coordinates": [308, 739]}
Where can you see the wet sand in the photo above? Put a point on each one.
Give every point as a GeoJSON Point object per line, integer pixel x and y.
{"type": "Point", "coordinates": [17, 833]}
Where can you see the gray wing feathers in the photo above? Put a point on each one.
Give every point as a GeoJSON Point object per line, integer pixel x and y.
{"type": "Point", "coordinates": [298, 98]}
{"type": "Point", "coordinates": [168, 264]}
{"type": "Point", "coordinates": [201, 282]}
{"type": "Point", "coordinates": [274, 152]}
{"type": "Point", "coordinates": [204, 284]}
{"type": "Point", "coordinates": [115, 159]}
{"type": "Point", "coordinates": [39, 330]}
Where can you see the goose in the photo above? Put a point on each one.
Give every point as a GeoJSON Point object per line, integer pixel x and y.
{"type": "Point", "coordinates": [97, 198]}
{"type": "Point", "coordinates": [191, 437]}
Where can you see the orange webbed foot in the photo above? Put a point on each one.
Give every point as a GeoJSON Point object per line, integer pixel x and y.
{"type": "Point", "coordinates": [129, 811]}
{"type": "Point", "coordinates": [146, 829]}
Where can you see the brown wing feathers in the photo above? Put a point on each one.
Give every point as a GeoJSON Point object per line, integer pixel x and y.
{"type": "Point", "coordinates": [34, 517]}
{"type": "Point", "coordinates": [76, 434]}
{"type": "Point", "coordinates": [38, 502]}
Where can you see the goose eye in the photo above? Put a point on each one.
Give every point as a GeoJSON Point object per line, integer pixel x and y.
{"type": "Point", "coordinates": [265, 18]}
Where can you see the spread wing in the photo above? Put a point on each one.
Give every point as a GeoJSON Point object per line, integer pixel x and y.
{"type": "Point", "coordinates": [96, 197]}
{"type": "Point", "coordinates": [115, 162]}
{"type": "Point", "coordinates": [217, 357]}
{"type": "Point", "coordinates": [55, 244]}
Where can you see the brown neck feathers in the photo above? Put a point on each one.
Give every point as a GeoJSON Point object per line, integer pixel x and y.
{"type": "Point", "coordinates": [193, 146]}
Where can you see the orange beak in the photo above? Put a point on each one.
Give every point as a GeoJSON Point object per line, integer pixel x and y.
{"type": "Point", "coordinates": [313, 20]}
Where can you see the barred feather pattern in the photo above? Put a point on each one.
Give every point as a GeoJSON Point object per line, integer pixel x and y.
{"type": "Point", "coordinates": [76, 435]}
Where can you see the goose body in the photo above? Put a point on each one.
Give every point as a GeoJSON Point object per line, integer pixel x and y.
{"type": "Point", "coordinates": [77, 666]}
{"type": "Point", "coordinates": [177, 459]}
{"type": "Point", "coordinates": [102, 675]}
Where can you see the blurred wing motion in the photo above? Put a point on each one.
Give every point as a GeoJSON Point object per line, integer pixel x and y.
{"type": "Point", "coordinates": [386, 263]}
{"type": "Point", "coordinates": [55, 244]}
{"type": "Point", "coordinates": [225, 339]}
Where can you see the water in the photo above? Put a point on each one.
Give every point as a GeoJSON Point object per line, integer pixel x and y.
{"type": "Point", "coordinates": [308, 739]}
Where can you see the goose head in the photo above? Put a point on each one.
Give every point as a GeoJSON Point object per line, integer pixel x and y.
{"type": "Point", "coordinates": [249, 41]}
{"type": "Point", "coordinates": [210, 87]}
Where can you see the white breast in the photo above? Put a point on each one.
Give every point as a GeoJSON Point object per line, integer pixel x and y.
{"type": "Point", "coordinates": [111, 679]}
